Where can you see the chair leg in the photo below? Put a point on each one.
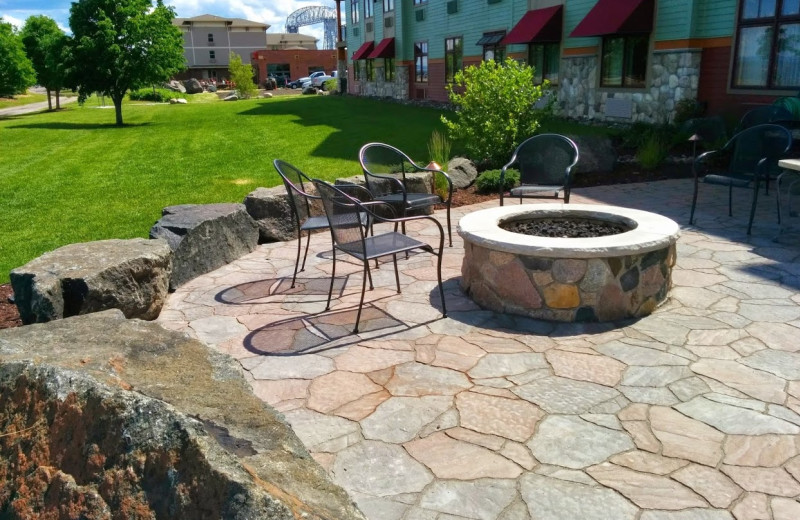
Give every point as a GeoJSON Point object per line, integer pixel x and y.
{"type": "Point", "coordinates": [333, 277]}
{"type": "Point", "coordinates": [305, 254]}
{"type": "Point", "coordinates": [297, 260]}
{"type": "Point", "coordinates": [449, 228]}
{"type": "Point", "coordinates": [694, 203]}
{"type": "Point", "coordinates": [730, 200]}
{"type": "Point", "coordinates": [363, 290]}
{"type": "Point", "coordinates": [369, 275]}
{"type": "Point", "coordinates": [753, 206]}
{"type": "Point", "coordinates": [396, 272]}
{"type": "Point", "coordinates": [441, 289]}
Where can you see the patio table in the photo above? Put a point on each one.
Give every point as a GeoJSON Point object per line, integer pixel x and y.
{"type": "Point", "coordinates": [788, 192]}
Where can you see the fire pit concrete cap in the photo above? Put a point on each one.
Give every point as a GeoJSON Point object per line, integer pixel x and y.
{"type": "Point", "coordinates": [651, 231]}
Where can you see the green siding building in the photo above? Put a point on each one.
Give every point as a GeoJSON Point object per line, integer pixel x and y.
{"type": "Point", "coordinates": [615, 60]}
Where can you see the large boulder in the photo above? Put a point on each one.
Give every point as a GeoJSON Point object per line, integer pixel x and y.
{"type": "Point", "coordinates": [125, 417]}
{"type": "Point", "coordinates": [129, 275]}
{"type": "Point", "coordinates": [597, 154]}
{"type": "Point", "coordinates": [462, 172]}
{"type": "Point", "coordinates": [175, 86]}
{"type": "Point", "coordinates": [193, 86]}
{"type": "Point", "coordinates": [269, 207]}
{"type": "Point", "coordinates": [204, 237]}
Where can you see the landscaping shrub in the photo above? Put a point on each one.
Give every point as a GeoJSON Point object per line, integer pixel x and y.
{"type": "Point", "coordinates": [242, 77]}
{"type": "Point", "coordinates": [489, 181]}
{"type": "Point", "coordinates": [332, 85]}
{"type": "Point", "coordinates": [159, 95]}
{"type": "Point", "coordinates": [652, 152]}
{"type": "Point", "coordinates": [439, 152]}
{"type": "Point", "coordinates": [494, 109]}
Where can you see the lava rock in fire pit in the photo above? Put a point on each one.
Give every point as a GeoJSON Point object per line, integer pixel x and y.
{"type": "Point", "coordinates": [564, 228]}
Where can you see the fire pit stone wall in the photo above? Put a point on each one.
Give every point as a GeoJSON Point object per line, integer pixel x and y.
{"type": "Point", "coordinates": [568, 279]}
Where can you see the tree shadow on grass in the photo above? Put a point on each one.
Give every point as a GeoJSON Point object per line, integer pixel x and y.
{"type": "Point", "coordinates": [77, 126]}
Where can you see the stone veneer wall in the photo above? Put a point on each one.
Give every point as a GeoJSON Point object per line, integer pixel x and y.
{"type": "Point", "coordinates": [397, 89]}
{"type": "Point", "coordinates": [674, 75]}
{"type": "Point", "coordinates": [567, 289]}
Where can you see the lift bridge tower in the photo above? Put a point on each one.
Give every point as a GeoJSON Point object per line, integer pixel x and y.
{"type": "Point", "coordinates": [314, 15]}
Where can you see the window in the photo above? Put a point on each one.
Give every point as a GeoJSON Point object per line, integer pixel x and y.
{"type": "Point", "coordinates": [388, 69]}
{"type": "Point", "coordinates": [420, 2]}
{"type": "Point", "coordinates": [492, 50]}
{"type": "Point", "coordinates": [210, 38]}
{"type": "Point", "coordinates": [368, 8]}
{"type": "Point", "coordinates": [388, 6]}
{"type": "Point", "coordinates": [768, 44]}
{"type": "Point", "coordinates": [545, 59]}
{"type": "Point", "coordinates": [212, 55]}
{"type": "Point", "coordinates": [453, 58]}
{"type": "Point", "coordinates": [624, 61]}
{"type": "Point", "coordinates": [354, 11]}
{"type": "Point", "coordinates": [421, 62]}
{"type": "Point", "coordinates": [370, 66]}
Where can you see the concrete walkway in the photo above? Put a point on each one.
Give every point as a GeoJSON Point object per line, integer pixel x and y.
{"type": "Point", "coordinates": [690, 413]}
{"type": "Point", "coordinates": [34, 107]}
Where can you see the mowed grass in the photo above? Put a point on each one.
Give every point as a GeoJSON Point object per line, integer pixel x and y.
{"type": "Point", "coordinates": [72, 176]}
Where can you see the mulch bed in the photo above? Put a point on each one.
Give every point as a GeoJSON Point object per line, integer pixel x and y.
{"type": "Point", "coordinates": [9, 316]}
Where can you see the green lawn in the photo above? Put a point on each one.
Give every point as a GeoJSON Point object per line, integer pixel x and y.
{"type": "Point", "coordinates": [72, 176]}
{"type": "Point", "coordinates": [22, 99]}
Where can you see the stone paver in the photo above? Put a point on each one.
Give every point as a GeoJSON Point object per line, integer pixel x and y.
{"type": "Point", "coordinates": [691, 413]}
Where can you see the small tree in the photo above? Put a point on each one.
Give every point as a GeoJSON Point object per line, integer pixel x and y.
{"type": "Point", "coordinates": [494, 109]}
{"type": "Point", "coordinates": [120, 45]}
{"type": "Point", "coordinates": [45, 45]}
{"type": "Point", "coordinates": [242, 76]}
{"type": "Point", "coordinates": [16, 71]}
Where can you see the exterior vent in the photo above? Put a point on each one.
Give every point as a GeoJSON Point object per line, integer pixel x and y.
{"type": "Point", "coordinates": [619, 107]}
{"type": "Point", "coordinates": [370, 27]}
{"type": "Point", "coordinates": [356, 31]}
{"type": "Point", "coordinates": [420, 14]}
{"type": "Point", "coordinates": [388, 22]}
{"type": "Point", "coordinates": [452, 7]}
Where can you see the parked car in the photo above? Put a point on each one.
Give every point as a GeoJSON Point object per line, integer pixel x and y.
{"type": "Point", "coordinates": [298, 83]}
{"type": "Point", "coordinates": [319, 81]}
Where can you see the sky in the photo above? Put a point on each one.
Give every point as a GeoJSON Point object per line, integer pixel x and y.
{"type": "Point", "coordinates": [272, 12]}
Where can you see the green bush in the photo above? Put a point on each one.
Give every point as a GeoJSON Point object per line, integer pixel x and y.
{"type": "Point", "coordinates": [439, 152]}
{"type": "Point", "coordinates": [652, 152]}
{"type": "Point", "coordinates": [489, 181]}
{"type": "Point", "coordinates": [332, 85]}
{"type": "Point", "coordinates": [494, 109]}
{"type": "Point", "coordinates": [242, 77]}
{"type": "Point", "coordinates": [159, 95]}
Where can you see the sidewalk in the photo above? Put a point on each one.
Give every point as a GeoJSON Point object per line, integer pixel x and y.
{"type": "Point", "coordinates": [690, 413]}
{"type": "Point", "coordinates": [34, 107]}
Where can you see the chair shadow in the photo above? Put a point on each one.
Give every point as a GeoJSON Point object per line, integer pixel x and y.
{"type": "Point", "coordinates": [246, 293]}
{"type": "Point", "coordinates": [314, 333]}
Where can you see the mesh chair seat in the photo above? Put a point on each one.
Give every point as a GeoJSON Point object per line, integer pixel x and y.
{"type": "Point", "coordinates": [314, 223]}
{"type": "Point", "coordinates": [735, 180]}
{"type": "Point", "coordinates": [413, 200]}
{"type": "Point", "coordinates": [528, 188]}
{"type": "Point", "coordinates": [382, 245]}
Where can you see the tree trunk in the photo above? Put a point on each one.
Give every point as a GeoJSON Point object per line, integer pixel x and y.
{"type": "Point", "coordinates": [58, 100]}
{"type": "Point", "coordinates": [118, 107]}
{"type": "Point", "coordinates": [49, 100]}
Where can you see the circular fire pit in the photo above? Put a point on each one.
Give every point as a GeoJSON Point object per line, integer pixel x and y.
{"type": "Point", "coordinates": [599, 278]}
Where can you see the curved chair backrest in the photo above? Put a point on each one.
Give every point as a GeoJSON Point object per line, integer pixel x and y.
{"type": "Point", "coordinates": [296, 183]}
{"type": "Point", "coordinates": [545, 159]}
{"type": "Point", "coordinates": [384, 159]}
{"type": "Point", "coordinates": [763, 114]}
{"type": "Point", "coordinates": [750, 146]}
{"type": "Point", "coordinates": [344, 217]}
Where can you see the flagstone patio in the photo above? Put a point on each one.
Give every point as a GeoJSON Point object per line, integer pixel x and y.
{"type": "Point", "coordinates": [692, 412]}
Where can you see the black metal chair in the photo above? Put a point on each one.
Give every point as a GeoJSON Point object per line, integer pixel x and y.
{"type": "Point", "coordinates": [385, 168]}
{"type": "Point", "coordinates": [750, 155]}
{"type": "Point", "coordinates": [545, 165]}
{"type": "Point", "coordinates": [762, 115]}
{"type": "Point", "coordinates": [300, 201]}
{"type": "Point", "coordinates": [345, 215]}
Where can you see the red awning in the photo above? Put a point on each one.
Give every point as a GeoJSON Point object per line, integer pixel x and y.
{"type": "Point", "coordinates": [361, 53]}
{"type": "Point", "coordinates": [538, 25]}
{"type": "Point", "coordinates": [616, 17]}
{"type": "Point", "coordinates": [385, 49]}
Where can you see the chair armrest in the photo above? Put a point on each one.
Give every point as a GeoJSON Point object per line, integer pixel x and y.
{"type": "Point", "coordinates": [357, 191]}
{"type": "Point", "coordinates": [393, 181]}
{"type": "Point", "coordinates": [376, 203]}
{"type": "Point", "coordinates": [701, 159]}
